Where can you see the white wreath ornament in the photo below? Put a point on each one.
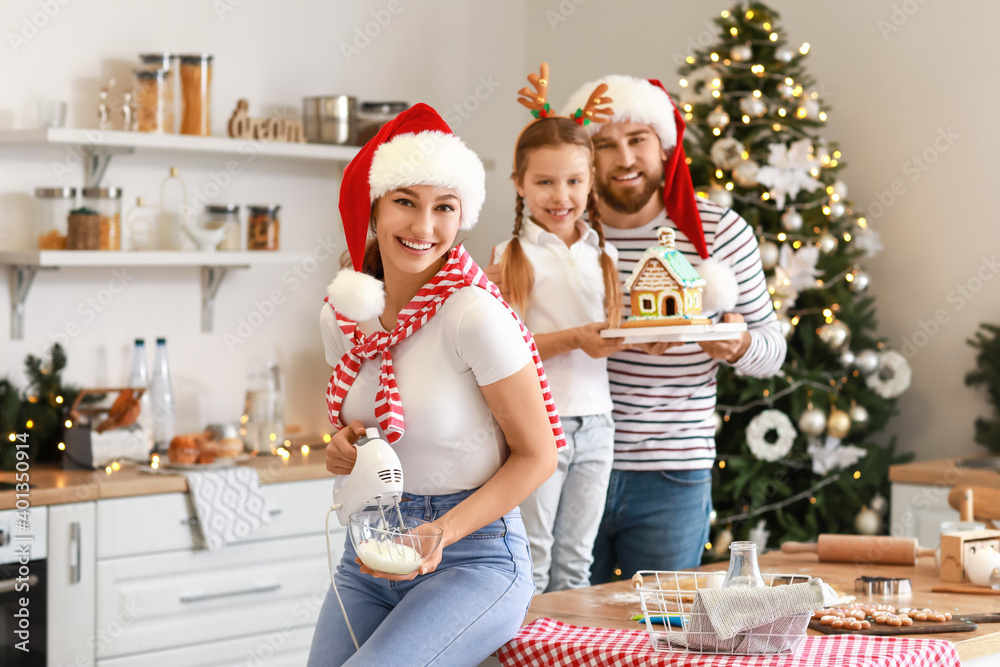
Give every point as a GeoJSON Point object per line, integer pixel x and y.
{"type": "Point", "coordinates": [759, 427]}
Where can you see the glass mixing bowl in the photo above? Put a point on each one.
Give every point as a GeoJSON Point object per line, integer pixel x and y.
{"type": "Point", "coordinates": [385, 545]}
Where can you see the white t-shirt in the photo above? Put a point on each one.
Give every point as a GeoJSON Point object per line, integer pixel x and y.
{"type": "Point", "coordinates": [451, 442]}
{"type": "Point", "coordinates": [568, 292]}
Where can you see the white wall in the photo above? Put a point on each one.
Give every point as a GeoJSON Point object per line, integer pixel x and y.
{"type": "Point", "coordinates": [891, 94]}
{"type": "Point", "coordinates": [893, 87]}
{"type": "Point", "coordinates": [272, 54]}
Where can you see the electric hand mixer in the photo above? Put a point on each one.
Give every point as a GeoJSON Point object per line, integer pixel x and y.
{"type": "Point", "coordinates": [383, 541]}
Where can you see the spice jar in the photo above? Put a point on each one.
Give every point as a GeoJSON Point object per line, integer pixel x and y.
{"type": "Point", "coordinates": [54, 205]}
{"type": "Point", "coordinates": [227, 217]}
{"type": "Point", "coordinates": [83, 229]}
{"type": "Point", "coordinates": [170, 86]}
{"type": "Point", "coordinates": [107, 202]}
{"type": "Point", "coordinates": [155, 110]}
{"type": "Point", "coordinates": [196, 88]}
{"type": "Point", "coordinates": [263, 227]}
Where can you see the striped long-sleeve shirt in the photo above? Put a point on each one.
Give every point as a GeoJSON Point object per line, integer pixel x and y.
{"type": "Point", "coordinates": [663, 405]}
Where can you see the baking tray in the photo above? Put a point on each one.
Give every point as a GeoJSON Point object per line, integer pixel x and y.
{"type": "Point", "coordinates": [679, 333]}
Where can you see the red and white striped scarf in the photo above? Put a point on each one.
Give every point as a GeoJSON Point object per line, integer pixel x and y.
{"type": "Point", "coordinates": [458, 271]}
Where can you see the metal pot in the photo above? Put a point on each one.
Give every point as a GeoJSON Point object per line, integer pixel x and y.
{"type": "Point", "coordinates": [330, 119]}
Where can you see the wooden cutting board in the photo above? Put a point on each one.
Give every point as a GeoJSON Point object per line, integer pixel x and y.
{"type": "Point", "coordinates": [966, 623]}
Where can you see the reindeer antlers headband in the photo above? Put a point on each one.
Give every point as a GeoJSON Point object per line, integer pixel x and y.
{"type": "Point", "coordinates": [595, 110]}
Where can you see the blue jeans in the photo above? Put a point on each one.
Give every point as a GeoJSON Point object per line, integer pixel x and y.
{"type": "Point", "coordinates": [653, 520]}
{"type": "Point", "coordinates": [471, 605]}
{"type": "Point", "coordinates": [563, 514]}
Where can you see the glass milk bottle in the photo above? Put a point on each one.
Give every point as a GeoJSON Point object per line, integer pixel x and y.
{"type": "Point", "coordinates": [743, 570]}
{"type": "Point", "coordinates": [164, 408]}
{"type": "Point", "coordinates": [139, 378]}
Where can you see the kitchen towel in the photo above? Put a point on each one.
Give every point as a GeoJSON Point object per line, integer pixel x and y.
{"type": "Point", "coordinates": [728, 620]}
{"type": "Point", "coordinates": [549, 642]}
{"type": "Point", "coordinates": [228, 503]}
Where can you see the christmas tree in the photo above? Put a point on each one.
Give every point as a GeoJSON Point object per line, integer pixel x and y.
{"type": "Point", "coordinates": [796, 453]}
{"type": "Point", "coordinates": [987, 374]}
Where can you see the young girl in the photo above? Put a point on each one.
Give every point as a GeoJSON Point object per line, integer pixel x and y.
{"type": "Point", "coordinates": [424, 347]}
{"type": "Point", "coordinates": [559, 274]}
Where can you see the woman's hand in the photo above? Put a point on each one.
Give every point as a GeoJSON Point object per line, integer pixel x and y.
{"type": "Point", "coordinates": [429, 565]}
{"type": "Point", "coordinates": [341, 452]}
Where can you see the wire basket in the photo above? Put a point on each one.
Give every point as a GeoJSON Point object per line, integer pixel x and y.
{"type": "Point", "coordinates": [676, 623]}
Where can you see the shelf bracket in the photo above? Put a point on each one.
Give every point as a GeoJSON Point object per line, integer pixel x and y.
{"type": "Point", "coordinates": [21, 277]}
{"type": "Point", "coordinates": [96, 160]}
{"type": "Point", "coordinates": [211, 278]}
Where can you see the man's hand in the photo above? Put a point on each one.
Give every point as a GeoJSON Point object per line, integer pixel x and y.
{"type": "Point", "coordinates": [341, 452]}
{"type": "Point", "coordinates": [729, 351]}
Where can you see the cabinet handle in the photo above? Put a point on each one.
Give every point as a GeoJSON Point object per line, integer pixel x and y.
{"type": "Point", "coordinates": [247, 591]}
{"type": "Point", "coordinates": [74, 552]}
{"type": "Point", "coordinates": [8, 585]}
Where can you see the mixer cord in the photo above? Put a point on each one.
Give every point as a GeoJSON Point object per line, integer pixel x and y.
{"type": "Point", "coordinates": [329, 558]}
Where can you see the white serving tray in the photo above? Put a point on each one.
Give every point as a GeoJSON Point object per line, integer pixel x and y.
{"type": "Point", "coordinates": [679, 333]}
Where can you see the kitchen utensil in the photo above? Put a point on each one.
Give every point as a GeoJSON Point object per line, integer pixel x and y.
{"type": "Point", "coordinates": [882, 586]}
{"type": "Point", "coordinates": [330, 119]}
{"type": "Point", "coordinates": [862, 549]}
{"type": "Point", "coordinates": [393, 543]}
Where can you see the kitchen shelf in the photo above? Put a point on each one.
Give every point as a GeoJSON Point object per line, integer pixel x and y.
{"type": "Point", "coordinates": [24, 265]}
{"type": "Point", "coordinates": [99, 145]}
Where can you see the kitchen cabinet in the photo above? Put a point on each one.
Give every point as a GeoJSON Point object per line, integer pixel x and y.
{"type": "Point", "coordinates": [918, 510]}
{"type": "Point", "coordinates": [71, 580]}
{"type": "Point", "coordinates": [151, 595]}
{"type": "Point", "coordinates": [95, 148]}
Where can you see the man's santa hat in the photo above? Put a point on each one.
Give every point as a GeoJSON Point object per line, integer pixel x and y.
{"type": "Point", "coordinates": [646, 102]}
{"type": "Point", "coordinates": [415, 148]}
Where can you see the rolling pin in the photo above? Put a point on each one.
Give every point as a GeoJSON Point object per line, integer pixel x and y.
{"type": "Point", "coordinates": [861, 549]}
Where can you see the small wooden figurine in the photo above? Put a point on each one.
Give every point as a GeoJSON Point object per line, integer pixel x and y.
{"type": "Point", "coordinates": [241, 126]}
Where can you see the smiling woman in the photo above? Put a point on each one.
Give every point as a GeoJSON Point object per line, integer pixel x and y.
{"type": "Point", "coordinates": [480, 430]}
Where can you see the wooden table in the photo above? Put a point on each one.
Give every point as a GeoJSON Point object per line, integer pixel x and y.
{"type": "Point", "coordinates": [612, 605]}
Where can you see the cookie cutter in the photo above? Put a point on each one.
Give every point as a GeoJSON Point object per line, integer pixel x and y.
{"type": "Point", "coordinates": [882, 586]}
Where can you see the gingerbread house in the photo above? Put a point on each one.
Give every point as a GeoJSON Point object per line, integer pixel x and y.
{"type": "Point", "coordinates": [665, 289]}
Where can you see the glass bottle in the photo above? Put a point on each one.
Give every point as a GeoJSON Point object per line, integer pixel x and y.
{"type": "Point", "coordinates": [743, 570]}
{"type": "Point", "coordinates": [140, 378]}
{"type": "Point", "coordinates": [173, 204]}
{"type": "Point", "coordinates": [276, 393]}
{"type": "Point", "coordinates": [139, 229]}
{"type": "Point", "coordinates": [164, 408]}
{"type": "Point", "coordinates": [263, 410]}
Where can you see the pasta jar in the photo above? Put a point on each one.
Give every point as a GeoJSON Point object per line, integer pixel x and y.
{"type": "Point", "coordinates": [171, 97]}
{"type": "Point", "coordinates": [196, 93]}
{"type": "Point", "coordinates": [108, 204]}
{"type": "Point", "coordinates": [227, 217]}
{"type": "Point", "coordinates": [263, 228]}
{"type": "Point", "coordinates": [154, 100]}
{"type": "Point", "coordinates": [54, 205]}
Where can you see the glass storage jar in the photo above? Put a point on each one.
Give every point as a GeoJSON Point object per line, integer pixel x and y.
{"type": "Point", "coordinates": [227, 217]}
{"type": "Point", "coordinates": [54, 205]}
{"type": "Point", "coordinates": [263, 228]}
{"type": "Point", "coordinates": [167, 62]}
{"type": "Point", "coordinates": [108, 204]}
{"type": "Point", "coordinates": [154, 106]}
{"type": "Point", "coordinates": [196, 94]}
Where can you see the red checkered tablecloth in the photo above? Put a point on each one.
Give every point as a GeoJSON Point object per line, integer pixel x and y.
{"type": "Point", "coordinates": [545, 642]}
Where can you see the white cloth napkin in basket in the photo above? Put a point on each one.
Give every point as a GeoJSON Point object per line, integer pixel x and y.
{"type": "Point", "coordinates": [229, 503]}
{"type": "Point", "coordinates": [771, 619]}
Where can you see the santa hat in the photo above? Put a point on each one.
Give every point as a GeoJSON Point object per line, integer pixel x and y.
{"type": "Point", "coordinates": [647, 102]}
{"type": "Point", "coordinates": [415, 148]}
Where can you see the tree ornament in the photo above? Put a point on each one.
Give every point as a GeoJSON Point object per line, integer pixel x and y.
{"type": "Point", "coordinates": [764, 423]}
{"type": "Point", "coordinates": [789, 170]}
{"type": "Point", "coordinates": [830, 455]}
{"type": "Point", "coordinates": [727, 153]}
{"type": "Point", "coordinates": [785, 323]}
{"type": "Point", "coordinates": [812, 421]}
{"type": "Point", "coordinates": [868, 522]}
{"type": "Point", "coordinates": [769, 255]}
{"type": "Point", "coordinates": [838, 424]}
{"type": "Point", "coordinates": [786, 90]}
{"type": "Point", "coordinates": [866, 362]}
{"type": "Point", "coordinates": [858, 414]}
{"type": "Point", "coordinates": [837, 210]}
{"type": "Point", "coordinates": [699, 88]}
{"type": "Point", "coordinates": [827, 243]}
{"type": "Point", "coordinates": [878, 504]}
{"type": "Point", "coordinates": [859, 282]}
{"type": "Point", "coordinates": [752, 106]}
{"type": "Point", "coordinates": [835, 334]}
{"type": "Point", "coordinates": [721, 196]}
{"type": "Point", "coordinates": [822, 154]}
{"type": "Point", "coordinates": [791, 220]}
{"type": "Point", "coordinates": [713, 517]}
{"type": "Point", "coordinates": [783, 54]}
{"type": "Point", "coordinates": [892, 377]}
{"type": "Point", "coordinates": [722, 541]}
{"type": "Point", "coordinates": [847, 358]}
{"type": "Point", "coordinates": [741, 53]}
{"type": "Point", "coordinates": [718, 119]}
{"type": "Point", "coordinates": [808, 107]}
{"type": "Point", "coordinates": [717, 421]}
{"type": "Point", "coordinates": [798, 267]}
{"type": "Point", "coordinates": [840, 189]}
{"type": "Point", "coordinates": [745, 173]}
{"type": "Point", "coordinates": [867, 240]}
